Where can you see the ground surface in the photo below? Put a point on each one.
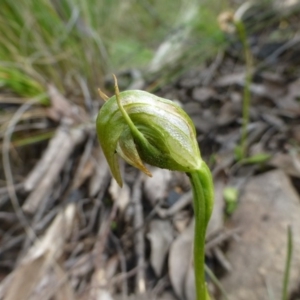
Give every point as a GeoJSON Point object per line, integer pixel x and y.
{"type": "Point", "coordinates": [69, 232]}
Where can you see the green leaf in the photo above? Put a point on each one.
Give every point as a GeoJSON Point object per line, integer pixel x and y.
{"type": "Point", "coordinates": [230, 195]}
{"type": "Point", "coordinates": [257, 158]}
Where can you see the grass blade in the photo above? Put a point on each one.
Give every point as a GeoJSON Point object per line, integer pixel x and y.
{"type": "Point", "coordinates": [287, 264]}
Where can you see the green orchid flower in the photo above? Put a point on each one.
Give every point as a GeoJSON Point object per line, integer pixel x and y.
{"type": "Point", "coordinates": [145, 129]}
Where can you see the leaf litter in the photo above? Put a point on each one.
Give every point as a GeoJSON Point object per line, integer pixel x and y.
{"type": "Point", "coordinates": [70, 233]}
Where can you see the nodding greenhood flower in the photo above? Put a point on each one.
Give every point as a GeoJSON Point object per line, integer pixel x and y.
{"type": "Point", "coordinates": [143, 128]}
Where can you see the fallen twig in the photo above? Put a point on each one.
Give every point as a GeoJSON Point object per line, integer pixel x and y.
{"type": "Point", "coordinates": [68, 140]}
{"type": "Point", "coordinates": [139, 236]}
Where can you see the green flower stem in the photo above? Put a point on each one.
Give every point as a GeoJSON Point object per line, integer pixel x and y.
{"type": "Point", "coordinates": [201, 181]}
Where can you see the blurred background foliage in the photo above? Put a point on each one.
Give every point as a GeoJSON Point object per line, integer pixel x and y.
{"type": "Point", "coordinates": [64, 41]}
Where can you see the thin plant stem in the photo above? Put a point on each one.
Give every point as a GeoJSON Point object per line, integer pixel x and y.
{"type": "Point", "coordinates": [216, 281]}
{"type": "Point", "coordinates": [201, 182]}
{"type": "Point", "coordinates": [248, 79]}
{"type": "Point", "coordinates": [287, 264]}
{"type": "Point", "coordinates": [199, 235]}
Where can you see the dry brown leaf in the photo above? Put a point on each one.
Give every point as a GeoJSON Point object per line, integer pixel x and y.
{"type": "Point", "coordinates": [161, 236]}
{"type": "Point", "coordinates": [189, 285]}
{"type": "Point", "coordinates": [101, 173]}
{"type": "Point", "coordinates": [228, 113]}
{"type": "Point", "coordinates": [25, 278]}
{"type": "Point", "coordinates": [157, 187]}
{"type": "Point", "coordinates": [205, 122]}
{"type": "Point", "coordinates": [289, 164]}
{"type": "Point", "coordinates": [268, 205]}
{"type": "Point", "coordinates": [64, 290]}
{"type": "Point", "coordinates": [192, 108]}
{"type": "Point", "coordinates": [228, 142]}
{"type": "Point", "coordinates": [285, 97]}
{"type": "Point", "coordinates": [288, 103]}
{"type": "Point", "coordinates": [203, 94]}
{"type": "Point", "coordinates": [48, 283]}
{"type": "Point", "coordinates": [180, 258]}
{"type": "Point", "coordinates": [54, 285]}
{"type": "Point", "coordinates": [41, 255]}
{"type": "Point", "coordinates": [216, 221]}
{"type": "Point", "coordinates": [181, 220]}
{"type": "Point", "coordinates": [5, 283]}
{"type": "Point", "coordinates": [231, 79]}
{"type": "Point", "coordinates": [121, 195]}
{"type": "Point", "coordinates": [101, 278]}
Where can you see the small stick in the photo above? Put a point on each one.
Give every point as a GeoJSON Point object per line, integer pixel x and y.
{"type": "Point", "coordinates": [139, 236]}
{"type": "Point", "coordinates": [71, 140]}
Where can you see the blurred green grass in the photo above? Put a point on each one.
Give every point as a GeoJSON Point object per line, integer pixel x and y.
{"type": "Point", "coordinates": [64, 41]}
